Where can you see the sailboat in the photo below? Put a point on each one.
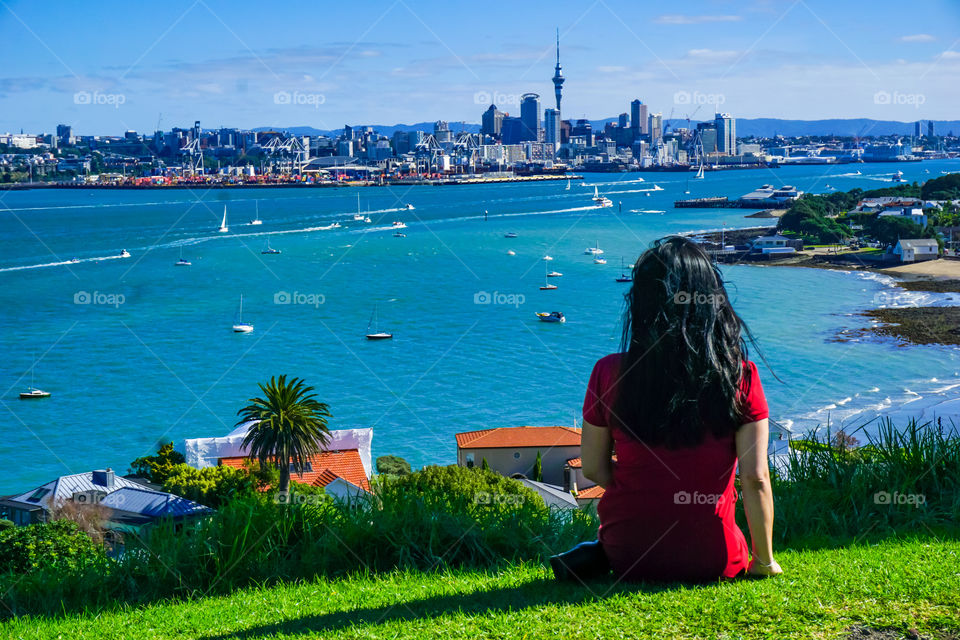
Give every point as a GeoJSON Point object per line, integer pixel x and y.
{"type": "Point", "coordinates": [223, 225]}
{"type": "Point", "coordinates": [601, 201]}
{"type": "Point", "coordinates": [546, 283]}
{"type": "Point", "coordinates": [181, 262]}
{"type": "Point", "coordinates": [241, 326]}
{"type": "Point", "coordinates": [359, 217]}
{"type": "Point", "coordinates": [256, 220]}
{"type": "Point", "coordinates": [268, 250]}
{"type": "Point", "coordinates": [376, 334]}
{"type": "Point", "coordinates": [593, 251]}
{"type": "Point", "coordinates": [32, 392]}
{"type": "Point", "coordinates": [567, 188]}
{"type": "Point", "coordinates": [699, 175]}
{"type": "Point", "coordinates": [624, 276]}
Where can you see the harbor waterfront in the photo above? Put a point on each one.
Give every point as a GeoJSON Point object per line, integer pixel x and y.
{"type": "Point", "coordinates": [137, 350]}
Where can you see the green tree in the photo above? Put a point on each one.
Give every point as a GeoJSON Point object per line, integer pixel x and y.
{"type": "Point", "coordinates": [393, 465]}
{"type": "Point", "coordinates": [158, 468]}
{"type": "Point", "coordinates": [485, 465]}
{"type": "Point", "coordinates": [538, 469]}
{"type": "Point", "coordinates": [210, 486]}
{"type": "Point", "coordinates": [290, 425]}
{"type": "Point", "coordinates": [890, 229]}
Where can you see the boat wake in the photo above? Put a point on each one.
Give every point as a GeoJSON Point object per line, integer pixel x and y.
{"type": "Point", "coordinates": [62, 263]}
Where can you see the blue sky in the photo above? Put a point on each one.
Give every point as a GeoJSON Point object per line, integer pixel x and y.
{"type": "Point", "coordinates": [105, 67]}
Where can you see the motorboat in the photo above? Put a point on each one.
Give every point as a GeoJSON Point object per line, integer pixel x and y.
{"type": "Point", "coordinates": [399, 234]}
{"type": "Point", "coordinates": [510, 234]}
{"type": "Point", "coordinates": [601, 201]}
{"type": "Point", "coordinates": [124, 253]}
{"type": "Point", "coordinates": [553, 316]}
{"type": "Point", "coordinates": [409, 207]}
{"type": "Point", "coordinates": [554, 274]}
{"type": "Point", "coordinates": [599, 261]}
{"type": "Point", "coordinates": [397, 224]}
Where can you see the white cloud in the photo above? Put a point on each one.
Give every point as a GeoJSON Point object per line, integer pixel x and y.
{"type": "Point", "coordinates": [613, 69]}
{"type": "Point", "coordinates": [950, 55]}
{"type": "Point", "coordinates": [676, 18]}
{"type": "Point", "coordinates": [713, 55]}
{"type": "Point", "coordinates": [918, 37]}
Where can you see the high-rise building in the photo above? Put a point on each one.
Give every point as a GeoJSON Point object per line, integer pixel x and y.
{"type": "Point", "coordinates": [707, 131]}
{"type": "Point", "coordinates": [551, 127]}
{"type": "Point", "coordinates": [65, 134]}
{"type": "Point", "coordinates": [558, 75]}
{"type": "Point", "coordinates": [931, 131]}
{"type": "Point", "coordinates": [638, 117]}
{"type": "Point", "coordinates": [530, 115]}
{"type": "Point", "coordinates": [585, 129]}
{"type": "Point", "coordinates": [491, 121]}
{"type": "Point", "coordinates": [656, 127]}
{"type": "Point", "coordinates": [623, 121]}
{"type": "Point", "coordinates": [511, 130]}
{"type": "Point", "coordinates": [918, 128]}
{"type": "Point", "coordinates": [726, 133]}
{"type": "Point", "coordinates": [441, 131]}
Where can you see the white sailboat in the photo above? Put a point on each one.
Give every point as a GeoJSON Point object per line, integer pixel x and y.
{"type": "Point", "coordinates": [223, 224]}
{"type": "Point", "coordinates": [376, 334]}
{"type": "Point", "coordinates": [567, 188]}
{"type": "Point", "coordinates": [256, 220]}
{"type": "Point", "coordinates": [593, 251]}
{"type": "Point", "coordinates": [601, 201]}
{"type": "Point", "coordinates": [699, 175]}
{"type": "Point", "coordinates": [182, 262]}
{"type": "Point", "coordinates": [241, 326]}
{"type": "Point", "coordinates": [546, 283]}
{"type": "Point", "coordinates": [32, 392]}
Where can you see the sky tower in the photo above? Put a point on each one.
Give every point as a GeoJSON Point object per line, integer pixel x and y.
{"type": "Point", "coordinates": [558, 75]}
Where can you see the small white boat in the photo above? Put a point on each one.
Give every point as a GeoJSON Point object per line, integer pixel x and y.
{"type": "Point", "coordinates": [593, 251]}
{"type": "Point", "coordinates": [223, 224]}
{"type": "Point", "coordinates": [546, 285]}
{"type": "Point", "coordinates": [553, 316]}
{"type": "Point", "coordinates": [397, 224]}
{"type": "Point", "coordinates": [241, 326]}
{"type": "Point", "coordinates": [399, 234]}
{"type": "Point", "coordinates": [409, 207]}
{"type": "Point", "coordinates": [182, 262]}
{"type": "Point", "coordinates": [359, 217]}
{"type": "Point", "coordinates": [376, 334]}
{"type": "Point", "coordinates": [860, 173]}
{"type": "Point", "coordinates": [599, 261]}
{"type": "Point", "coordinates": [601, 201]}
{"type": "Point", "coordinates": [510, 234]}
{"type": "Point", "coordinates": [32, 392]}
{"type": "Point", "coordinates": [547, 258]}
{"type": "Point", "coordinates": [554, 274]}
{"type": "Point", "coordinates": [567, 188]}
{"type": "Point", "coordinates": [256, 219]}
{"type": "Point", "coordinates": [268, 250]}
{"type": "Point", "coordinates": [898, 177]}
{"type": "Point", "coordinates": [511, 252]}
{"type": "Point", "coordinates": [124, 253]}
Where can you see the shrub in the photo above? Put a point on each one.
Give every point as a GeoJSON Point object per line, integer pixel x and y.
{"type": "Point", "coordinates": [393, 465]}
{"type": "Point", "coordinates": [211, 486]}
{"type": "Point", "coordinates": [59, 545]}
{"type": "Point", "coordinates": [6, 524]}
{"type": "Point", "coordinates": [159, 467]}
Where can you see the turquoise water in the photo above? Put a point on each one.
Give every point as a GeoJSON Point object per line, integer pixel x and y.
{"type": "Point", "coordinates": [153, 357]}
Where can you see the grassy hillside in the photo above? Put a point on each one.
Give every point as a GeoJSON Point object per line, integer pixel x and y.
{"type": "Point", "coordinates": [895, 585]}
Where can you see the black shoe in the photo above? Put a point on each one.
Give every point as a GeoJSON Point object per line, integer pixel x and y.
{"type": "Point", "coordinates": [586, 561]}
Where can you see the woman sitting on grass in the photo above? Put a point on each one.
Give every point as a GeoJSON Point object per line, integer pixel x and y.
{"type": "Point", "coordinates": [679, 407]}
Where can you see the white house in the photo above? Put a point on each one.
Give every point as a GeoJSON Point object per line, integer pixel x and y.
{"type": "Point", "coordinates": [916, 250]}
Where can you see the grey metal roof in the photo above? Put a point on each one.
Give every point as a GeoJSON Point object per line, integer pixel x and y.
{"type": "Point", "coordinates": [914, 244]}
{"type": "Point", "coordinates": [64, 487]}
{"type": "Point", "coordinates": [552, 495]}
{"type": "Point", "coordinates": [154, 504]}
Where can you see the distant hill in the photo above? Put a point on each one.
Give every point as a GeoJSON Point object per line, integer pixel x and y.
{"type": "Point", "coordinates": [763, 127]}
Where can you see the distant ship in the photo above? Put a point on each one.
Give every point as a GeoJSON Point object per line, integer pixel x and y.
{"type": "Point", "coordinates": [601, 201]}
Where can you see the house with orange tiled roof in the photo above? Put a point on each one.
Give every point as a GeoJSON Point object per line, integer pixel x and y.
{"type": "Point", "coordinates": [321, 469]}
{"type": "Point", "coordinates": [512, 451]}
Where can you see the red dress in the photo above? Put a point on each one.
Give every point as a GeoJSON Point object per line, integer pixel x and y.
{"type": "Point", "coordinates": [669, 514]}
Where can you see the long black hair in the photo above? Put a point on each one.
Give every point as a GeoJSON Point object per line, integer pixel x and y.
{"type": "Point", "coordinates": [684, 352]}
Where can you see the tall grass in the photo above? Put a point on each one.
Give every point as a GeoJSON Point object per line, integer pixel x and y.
{"type": "Point", "coordinates": [902, 479]}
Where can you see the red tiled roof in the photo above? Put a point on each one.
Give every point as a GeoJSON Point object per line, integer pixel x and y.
{"type": "Point", "coordinates": [326, 467]}
{"type": "Point", "coordinates": [519, 437]}
{"type": "Point", "coordinates": [596, 491]}
{"type": "Point", "coordinates": [575, 463]}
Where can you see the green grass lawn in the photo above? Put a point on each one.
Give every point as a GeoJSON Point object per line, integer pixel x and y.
{"type": "Point", "coordinates": [894, 584]}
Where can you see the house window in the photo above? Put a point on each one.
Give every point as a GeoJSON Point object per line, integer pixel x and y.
{"type": "Point", "coordinates": [37, 495]}
{"type": "Point", "coordinates": [470, 460]}
{"type": "Point", "coordinates": [516, 455]}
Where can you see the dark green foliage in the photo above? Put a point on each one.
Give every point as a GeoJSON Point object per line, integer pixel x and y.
{"type": "Point", "coordinates": [538, 469]}
{"type": "Point", "coordinates": [212, 486]}
{"type": "Point", "coordinates": [158, 468]}
{"type": "Point", "coordinates": [899, 190]}
{"type": "Point", "coordinates": [889, 229]}
{"type": "Point", "coordinates": [6, 524]}
{"type": "Point", "coordinates": [393, 465]}
{"type": "Point", "coordinates": [807, 216]}
{"type": "Point", "coordinates": [59, 545]}
{"type": "Point", "coordinates": [942, 188]}
{"type": "Point", "coordinates": [485, 465]}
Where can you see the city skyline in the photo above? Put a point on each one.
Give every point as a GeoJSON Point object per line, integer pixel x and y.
{"type": "Point", "coordinates": [403, 63]}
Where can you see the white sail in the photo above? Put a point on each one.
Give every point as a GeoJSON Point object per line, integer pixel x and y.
{"type": "Point", "coordinates": [223, 224]}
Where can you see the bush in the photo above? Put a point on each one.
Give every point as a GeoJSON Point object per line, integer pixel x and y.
{"type": "Point", "coordinates": [211, 486]}
{"type": "Point", "coordinates": [6, 524]}
{"type": "Point", "coordinates": [158, 468]}
{"type": "Point", "coordinates": [393, 465]}
{"type": "Point", "coordinates": [58, 545]}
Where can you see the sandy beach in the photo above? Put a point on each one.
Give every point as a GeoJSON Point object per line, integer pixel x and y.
{"type": "Point", "coordinates": [935, 269]}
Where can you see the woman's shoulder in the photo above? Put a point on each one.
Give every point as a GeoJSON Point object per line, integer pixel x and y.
{"type": "Point", "coordinates": [608, 363]}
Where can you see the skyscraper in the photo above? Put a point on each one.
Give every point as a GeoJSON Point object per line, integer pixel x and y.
{"type": "Point", "coordinates": [930, 129]}
{"type": "Point", "coordinates": [622, 120]}
{"type": "Point", "coordinates": [530, 116]}
{"type": "Point", "coordinates": [551, 127]}
{"type": "Point", "coordinates": [656, 127]}
{"type": "Point", "coordinates": [558, 75]}
{"type": "Point", "coordinates": [511, 130]}
{"type": "Point", "coordinates": [726, 133]}
{"type": "Point", "coordinates": [491, 121]}
{"type": "Point", "coordinates": [918, 128]}
{"type": "Point", "coordinates": [638, 117]}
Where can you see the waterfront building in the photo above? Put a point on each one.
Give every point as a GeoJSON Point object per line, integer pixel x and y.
{"type": "Point", "coordinates": [491, 121]}
{"type": "Point", "coordinates": [726, 127]}
{"type": "Point", "coordinates": [551, 127]}
{"type": "Point", "coordinates": [638, 118]}
{"type": "Point", "coordinates": [530, 116]}
{"type": "Point", "coordinates": [513, 450]}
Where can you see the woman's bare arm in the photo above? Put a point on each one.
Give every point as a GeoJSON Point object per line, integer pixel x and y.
{"type": "Point", "coordinates": [596, 450]}
{"type": "Point", "coordinates": [757, 495]}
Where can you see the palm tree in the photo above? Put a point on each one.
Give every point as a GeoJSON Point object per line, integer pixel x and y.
{"type": "Point", "coordinates": [290, 425]}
